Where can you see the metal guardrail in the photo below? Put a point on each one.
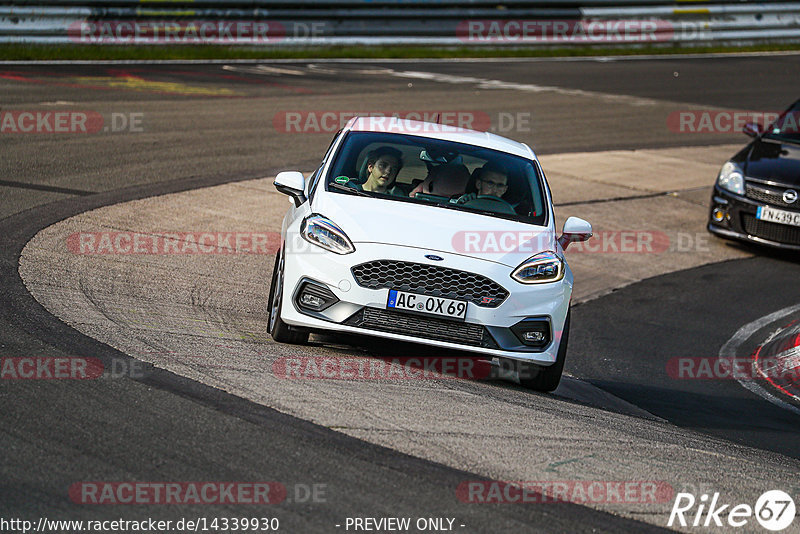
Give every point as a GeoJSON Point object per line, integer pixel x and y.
{"type": "Point", "coordinates": [376, 22]}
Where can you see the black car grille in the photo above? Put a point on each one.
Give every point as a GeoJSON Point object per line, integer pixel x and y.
{"type": "Point", "coordinates": [768, 196]}
{"type": "Point", "coordinates": [430, 280]}
{"type": "Point", "coordinates": [423, 327]}
{"type": "Point", "coordinates": [781, 233]}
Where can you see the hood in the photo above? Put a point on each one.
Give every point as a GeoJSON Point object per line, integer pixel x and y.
{"type": "Point", "coordinates": [774, 161]}
{"type": "Point", "coordinates": [433, 229]}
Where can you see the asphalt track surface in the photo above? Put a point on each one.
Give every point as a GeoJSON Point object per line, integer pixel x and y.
{"type": "Point", "coordinates": [633, 343]}
{"type": "Point", "coordinates": [165, 427]}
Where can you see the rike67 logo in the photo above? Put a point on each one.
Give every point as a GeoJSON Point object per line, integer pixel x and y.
{"type": "Point", "coordinates": [774, 510]}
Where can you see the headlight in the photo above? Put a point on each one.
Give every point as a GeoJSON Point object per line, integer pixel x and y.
{"type": "Point", "coordinates": [731, 178]}
{"type": "Point", "coordinates": [322, 232]}
{"type": "Point", "coordinates": [542, 268]}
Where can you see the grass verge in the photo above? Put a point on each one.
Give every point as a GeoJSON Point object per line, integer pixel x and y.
{"type": "Point", "coordinates": [31, 52]}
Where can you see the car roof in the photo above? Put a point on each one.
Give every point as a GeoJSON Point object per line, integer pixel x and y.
{"type": "Point", "coordinates": [439, 131]}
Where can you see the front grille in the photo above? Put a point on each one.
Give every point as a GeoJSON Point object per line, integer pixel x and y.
{"type": "Point", "coordinates": [430, 280]}
{"type": "Point", "coordinates": [781, 233]}
{"type": "Point", "coordinates": [423, 327]}
{"type": "Point", "coordinates": [768, 196]}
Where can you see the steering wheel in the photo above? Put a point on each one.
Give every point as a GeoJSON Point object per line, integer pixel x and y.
{"type": "Point", "coordinates": [491, 203]}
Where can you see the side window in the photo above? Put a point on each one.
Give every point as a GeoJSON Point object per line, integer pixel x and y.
{"type": "Point", "coordinates": [548, 194]}
{"type": "Point", "coordinates": [333, 141]}
{"type": "Point", "coordinates": [315, 178]}
{"type": "Point", "coordinates": [312, 179]}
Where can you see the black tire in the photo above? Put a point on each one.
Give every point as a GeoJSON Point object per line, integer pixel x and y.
{"type": "Point", "coordinates": [280, 331]}
{"type": "Point", "coordinates": [541, 378]}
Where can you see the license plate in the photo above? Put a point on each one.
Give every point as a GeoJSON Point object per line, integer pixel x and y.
{"type": "Point", "coordinates": [765, 213]}
{"type": "Point", "coordinates": [441, 307]}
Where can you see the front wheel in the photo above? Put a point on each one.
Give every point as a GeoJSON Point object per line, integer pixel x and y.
{"type": "Point", "coordinates": [539, 377]}
{"type": "Point", "coordinates": [280, 331]}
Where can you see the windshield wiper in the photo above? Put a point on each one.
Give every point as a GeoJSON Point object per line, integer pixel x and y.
{"type": "Point", "coordinates": [351, 190]}
{"type": "Point", "coordinates": [462, 207]}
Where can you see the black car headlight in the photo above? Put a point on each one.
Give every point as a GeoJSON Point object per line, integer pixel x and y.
{"type": "Point", "coordinates": [322, 232]}
{"type": "Point", "coordinates": [731, 178]}
{"type": "Point", "coordinates": [542, 268]}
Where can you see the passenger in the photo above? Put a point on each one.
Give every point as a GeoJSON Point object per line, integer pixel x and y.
{"type": "Point", "coordinates": [383, 164]}
{"type": "Point", "coordinates": [492, 180]}
{"type": "Point", "coordinates": [444, 180]}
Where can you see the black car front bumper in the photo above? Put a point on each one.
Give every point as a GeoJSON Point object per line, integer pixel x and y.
{"type": "Point", "coordinates": [739, 222]}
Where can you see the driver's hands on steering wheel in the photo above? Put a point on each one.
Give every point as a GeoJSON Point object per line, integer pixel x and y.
{"type": "Point", "coordinates": [479, 202]}
{"type": "Point", "coordinates": [463, 199]}
{"type": "Point", "coordinates": [466, 198]}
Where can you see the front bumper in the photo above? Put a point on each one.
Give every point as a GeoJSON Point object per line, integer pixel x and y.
{"type": "Point", "coordinates": [740, 222]}
{"type": "Point", "coordinates": [359, 310]}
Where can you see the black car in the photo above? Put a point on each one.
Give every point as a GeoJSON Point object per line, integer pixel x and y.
{"type": "Point", "coordinates": [756, 194]}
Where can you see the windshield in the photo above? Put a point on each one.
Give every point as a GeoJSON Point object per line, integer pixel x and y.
{"type": "Point", "coordinates": [444, 174]}
{"type": "Point", "coordinates": [787, 127]}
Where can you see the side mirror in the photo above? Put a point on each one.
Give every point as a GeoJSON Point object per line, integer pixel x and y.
{"type": "Point", "coordinates": [291, 183]}
{"type": "Point", "coordinates": [753, 129]}
{"type": "Point", "coordinates": [575, 231]}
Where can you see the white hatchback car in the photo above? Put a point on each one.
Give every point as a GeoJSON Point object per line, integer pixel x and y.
{"type": "Point", "coordinates": [431, 234]}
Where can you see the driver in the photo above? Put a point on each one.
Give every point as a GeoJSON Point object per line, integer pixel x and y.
{"type": "Point", "coordinates": [492, 180]}
{"type": "Point", "coordinates": [383, 164]}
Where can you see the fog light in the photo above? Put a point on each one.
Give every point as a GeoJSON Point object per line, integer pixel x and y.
{"type": "Point", "coordinates": [719, 214]}
{"type": "Point", "coordinates": [533, 332]}
{"type": "Point", "coordinates": [312, 301]}
{"type": "Point", "coordinates": [534, 336]}
{"type": "Point", "coordinates": [314, 296]}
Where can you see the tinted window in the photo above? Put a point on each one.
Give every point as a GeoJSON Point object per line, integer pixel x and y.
{"type": "Point", "coordinates": [787, 127]}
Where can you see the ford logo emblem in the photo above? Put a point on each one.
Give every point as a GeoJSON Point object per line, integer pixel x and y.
{"type": "Point", "coordinates": [789, 196]}
{"type": "Point", "coordinates": [434, 257]}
